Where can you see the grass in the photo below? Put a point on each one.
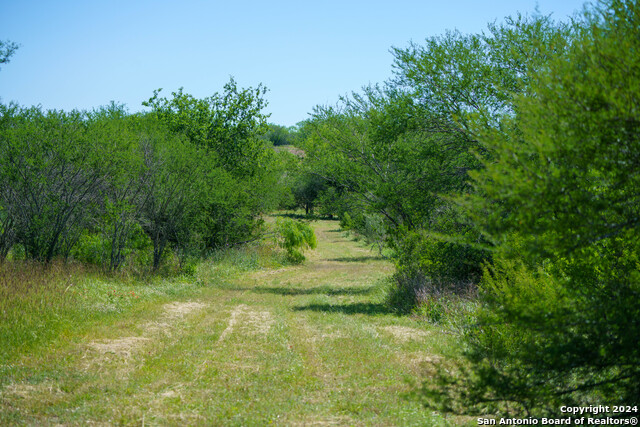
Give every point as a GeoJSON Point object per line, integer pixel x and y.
{"type": "Point", "coordinates": [41, 305]}
{"type": "Point", "coordinates": [248, 340]}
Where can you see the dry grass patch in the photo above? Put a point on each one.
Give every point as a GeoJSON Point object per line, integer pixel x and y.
{"type": "Point", "coordinates": [320, 333]}
{"type": "Point", "coordinates": [104, 354]}
{"type": "Point", "coordinates": [121, 347]}
{"type": "Point", "coordinates": [180, 309]}
{"type": "Point", "coordinates": [41, 391]}
{"type": "Point", "coordinates": [248, 321]}
{"type": "Point", "coordinates": [326, 421]}
{"type": "Point", "coordinates": [419, 361]}
{"type": "Point", "coordinates": [172, 313]}
{"type": "Point", "coordinates": [405, 333]}
{"type": "Point", "coordinates": [266, 273]}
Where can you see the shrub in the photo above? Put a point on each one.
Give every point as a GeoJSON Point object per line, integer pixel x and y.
{"type": "Point", "coordinates": [92, 248]}
{"type": "Point", "coordinates": [441, 260]}
{"type": "Point", "coordinates": [346, 223]}
{"type": "Point", "coordinates": [294, 237]}
{"type": "Point", "coordinates": [437, 302]}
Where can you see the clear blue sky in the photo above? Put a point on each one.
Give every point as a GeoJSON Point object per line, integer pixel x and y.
{"type": "Point", "coordinates": [83, 54]}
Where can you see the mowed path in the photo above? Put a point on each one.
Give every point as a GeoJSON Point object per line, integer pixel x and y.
{"type": "Point", "coordinates": [302, 345]}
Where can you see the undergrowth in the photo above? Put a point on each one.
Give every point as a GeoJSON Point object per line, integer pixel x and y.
{"type": "Point", "coordinates": [451, 304]}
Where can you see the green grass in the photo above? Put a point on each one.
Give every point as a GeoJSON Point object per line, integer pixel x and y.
{"type": "Point", "coordinates": [248, 340]}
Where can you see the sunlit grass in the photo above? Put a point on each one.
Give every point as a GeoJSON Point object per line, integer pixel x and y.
{"type": "Point", "coordinates": [246, 340]}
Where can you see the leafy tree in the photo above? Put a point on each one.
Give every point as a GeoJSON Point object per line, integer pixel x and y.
{"type": "Point", "coordinates": [243, 182]}
{"type": "Point", "coordinates": [334, 201]}
{"type": "Point", "coordinates": [175, 179]}
{"type": "Point", "coordinates": [230, 212]}
{"type": "Point", "coordinates": [228, 123]}
{"type": "Point", "coordinates": [472, 79]}
{"type": "Point", "coordinates": [397, 160]}
{"type": "Point", "coordinates": [404, 151]}
{"type": "Point", "coordinates": [306, 189]}
{"type": "Point", "coordinates": [560, 201]}
{"type": "Point", "coordinates": [7, 233]}
{"type": "Point", "coordinates": [51, 174]}
{"type": "Point", "coordinates": [7, 221]}
{"type": "Point", "coordinates": [121, 135]}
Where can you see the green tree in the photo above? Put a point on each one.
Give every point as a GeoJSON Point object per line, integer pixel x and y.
{"type": "Point", "coordinates": [472, 79]}
{"type": "Point", "coordinates": [398, 160]}
{"type": "Point", "coordinates": [120, 136]}
{"type": "Point", "coordinates": [229, 123]}
{"type": "Point", "coordinates": [560, 201]}
{"type": "Point", "coordinates": [8, 224]}
{"type": "Point", "coordinates": [175, 180]}
{"type": "Point", "coordinates": [306, 189]}
{"type": "Point", "coordinates": [51, 173]}
{"type": "Point", "coordinates": [244, 179]}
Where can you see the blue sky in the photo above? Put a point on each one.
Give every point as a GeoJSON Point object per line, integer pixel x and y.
{"type": "Point", "coordinates": [83, 54]}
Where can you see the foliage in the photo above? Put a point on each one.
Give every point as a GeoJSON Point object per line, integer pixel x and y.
{"type": "Point", "coordinates": [451, 261]}
{"type": "Point", "coordinates": [306, 188]}
{"type": "Point", "coordinates": [91, 249]}
{"type": "Point", "coordinates": [473, 79]}
{"type": "Point", "coordinates": [192, 174]}
{"type": "Point", "coordinates": [388, 159]}
{"type": "Point", "coordinates": [403, 151]}
{"type": "Point", "coordinates": [294, 237]}
{"type": "Point", "coordinates": [331, 202]}
{"type": "Point", "coordinates": [228, 123]}
{"type": "Point", "coordinates": [242, 174]}
{"type": "Point", "coordinates": [120, 215]}
{"type": "Point", "coordinates": [51, 173]}
{"type": "Point", "coordinates": [560, 201]}
{"type": "Point", "coordinates": [7, 50]}
{"type": "Point", "coordinates": [231, 212]}
{"type": "Point", "coordinates": [176, 181]}
{"type": "Point", "coordinates": [280, 135]}
{"type": "Point", "coordinates": [346, 223]}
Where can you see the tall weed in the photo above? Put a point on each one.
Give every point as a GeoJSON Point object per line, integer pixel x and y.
{"type": "Point", "coordinates": [450, 303]}
{"type": "Point", "coordinates": [33, 299]}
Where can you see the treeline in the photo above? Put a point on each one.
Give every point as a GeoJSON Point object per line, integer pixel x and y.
{"type": "Point", "coordinates": [281, 135]}
{"type": "Point", "coordinates": [507, 161]}
{"type": "Point", "coordinates": [111, 188]}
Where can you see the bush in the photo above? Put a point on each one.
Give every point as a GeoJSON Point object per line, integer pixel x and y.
{"type": "Point", "coordinates": [294, 237]}
{"type": "Point", "coordinates": [346, 223]}
{"type": "Point", "coordinates": [542, 340]}
{"type": "Point", "coordinates": [95, 248]}
{"type": "Point", "coordinates": [437, 302]}
{"type": "Point", "coordinates": [92, 248]}
{"type": "Point", "coordinates": [440, 260]}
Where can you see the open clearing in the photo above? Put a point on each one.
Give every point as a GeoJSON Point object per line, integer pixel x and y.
{"type": "Point", "coordinates": [301, 345]}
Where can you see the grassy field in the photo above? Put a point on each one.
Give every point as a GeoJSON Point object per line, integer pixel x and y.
{"type": "Point", "coordinates": [238, 344]}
